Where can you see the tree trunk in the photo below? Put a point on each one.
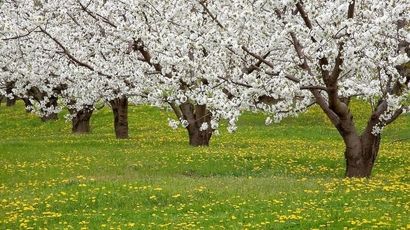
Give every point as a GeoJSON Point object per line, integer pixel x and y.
{"type": "Point", "coordinates": [9, 91]}
{"type": "Point", "coordinates": [28, 105]}
{"type": "Point", "coordinates": [361, 154]}
{"type": "Point", "coordinates": [10, 102]}
{"type": "Point", "coordinates": [81, 121]}
{"type": "Point", "coordinates": [120, 110]}
{"type": "Point", "coordinates": [196, 115]}
{"type": "Point", "coordinates": [198, 137]}
{"type": "Point", "coordinates": [52, 103]}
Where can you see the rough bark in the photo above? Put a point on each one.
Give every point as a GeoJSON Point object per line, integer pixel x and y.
{"type": "Point", "coordinates": [119, 108]}
{"type": "Point", "coordinates": [361, 150]}
{"type": "Point", "coordinates": [361, 154]}
{"type": "Point", "coordinates": [81, 121]}
{"type": "Point", "coordinates": [198, 137]}
{"type": "Point", "coordinates": [52, 103]}
{"type": "Point", "coordinates": [196, 116]}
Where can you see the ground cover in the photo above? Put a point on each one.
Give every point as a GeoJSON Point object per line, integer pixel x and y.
{"type": "Point", "coordinates": [283, 176]}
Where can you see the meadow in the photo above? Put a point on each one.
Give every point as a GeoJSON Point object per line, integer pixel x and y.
{"type": "Point", "coordinates": [282, 176]}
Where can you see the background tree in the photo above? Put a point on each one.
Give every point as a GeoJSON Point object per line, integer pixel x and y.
{"type": "Point", "coordinates": [88, 50]}
{"type": "Point", "coordinates": [182, 45]}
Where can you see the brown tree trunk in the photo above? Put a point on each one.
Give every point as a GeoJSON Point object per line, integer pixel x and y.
{"type": "Point", "coordinates": [81, 121]}
{"type": "Point", "coordinates": [50, 116]}
{"type": "Point", "coordinates": [360, 161]}
{"type": "Point", "coordinates": [28, 105]}
{"type": "Point", "coordinates": [196, 115]}
{"type": "Point", "coordinates": [120, 110]}
{"type": "Point", "coordinates": [198, 137]}
{"type": "Point", "coordinates": [9, 91]}
{"type": "Point", "coordinates": [361, 154]}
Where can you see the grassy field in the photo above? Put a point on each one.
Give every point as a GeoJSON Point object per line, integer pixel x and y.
{"type": "Point", "coordinates": [283, 176]}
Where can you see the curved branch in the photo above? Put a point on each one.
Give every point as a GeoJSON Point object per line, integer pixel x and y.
{"type": "Point", "coordinates": [66, 51]}
{"type": "Point", "coordinates": [202, 2]}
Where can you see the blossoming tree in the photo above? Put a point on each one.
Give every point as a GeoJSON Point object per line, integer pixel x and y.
{"type": "Point", "coordinates": [182, 45]}
{"type": "Point", "coordinates": [84, 49]}
{"type": "Point", "coordinates": [30, 81]}
{"type": "Point", "coordinates": [148, 51]}
{"type": "Point", "coordinates": [333, 50]}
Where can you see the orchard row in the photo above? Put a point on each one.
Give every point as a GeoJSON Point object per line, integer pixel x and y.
{"type": "Point", "coordinates": [210, 60]}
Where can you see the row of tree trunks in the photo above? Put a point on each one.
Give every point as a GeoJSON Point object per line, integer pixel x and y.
{"type": "Point", "coordinates": [2, 98]}
{"type": "Point", "coordinates": [12, 102]}
{"type": "Point", "coordinates": [81, 120]}
{"type": "Point", "coordinates": [119, 108]}
{"type": "Point", "coordinates": [38, 95]}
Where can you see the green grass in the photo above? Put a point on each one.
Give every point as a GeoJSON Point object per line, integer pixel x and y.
{"type": "Point", "coordinates": [283, 176]}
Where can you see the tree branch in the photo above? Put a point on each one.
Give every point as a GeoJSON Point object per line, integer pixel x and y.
{"type": "Point", "coordinates": [350, 13]}
{"type": "Point", "coordinates": [94, 15]}
{"type": "Point", "coordinates": [20, 36]}
{"type": "Point", "coordinates": [234, 82]}
{"type": "Point", "coordinates": [202, 2]}
{"type": "Point", "coordinates": [338, 63]}
{"type": "Point", "coordinates": [395, 116]}
{"type": "Point", "coordinates": [381, 108]}
{"type": "Point", "coordinates": [310, 87]}
{"type": "Point", "coordinates": [299, 50]}
{"type": "Point", "coordinates": [256, 66]}
{"type": "Point", "coordinates": [67, 52]}
{"type": "Point", "coordinates": [294, 79]}
{"type": "Point", "coordinates": [304, 15]}
{"type": "Point", "coordinates": [320, 100]}
{"type": "Point", "coordinates": [261, 59]}
{"type": "Point", "coordinates": [176, 110]}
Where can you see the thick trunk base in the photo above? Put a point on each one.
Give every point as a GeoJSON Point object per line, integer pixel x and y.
{"type": "Point", "coordinates": [199, 138]}
{"type": "Point", "coordinates": [120, 110]}
{"type": "Point", "coordinates": [361, 157]}
{"type": "Point", "coordinates": [196, 116]}
{"type": "Point", "coordinates": [81, 122]}
{"type": "Point", "coordinates": [358, 168]}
